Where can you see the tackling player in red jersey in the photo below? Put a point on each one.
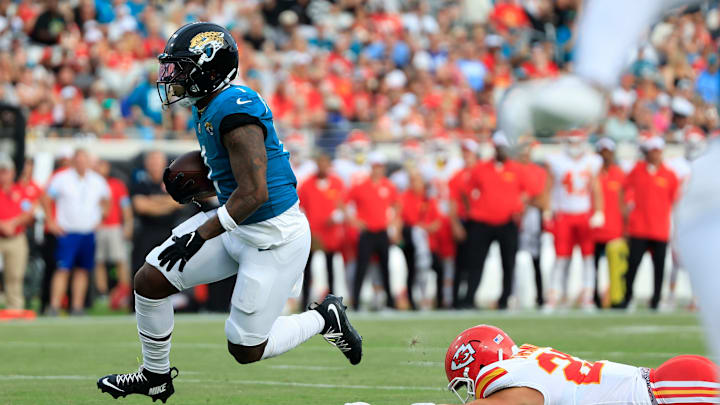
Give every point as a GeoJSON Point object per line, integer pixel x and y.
{"type": "Point", "coordinates": [495, 371]}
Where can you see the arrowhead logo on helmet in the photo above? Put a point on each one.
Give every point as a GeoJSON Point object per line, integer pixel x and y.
{"type": "Point", "coordinates": [464, 353]}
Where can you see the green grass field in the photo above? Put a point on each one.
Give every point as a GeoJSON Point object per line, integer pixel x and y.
{"type": "Point", "coordinates": [57, 361]}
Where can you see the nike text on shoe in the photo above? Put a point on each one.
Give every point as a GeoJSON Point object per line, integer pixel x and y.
{"type": "Point", "coordinates": [155, 386]}
{"type": "Point", "coordinates": [338, 331]}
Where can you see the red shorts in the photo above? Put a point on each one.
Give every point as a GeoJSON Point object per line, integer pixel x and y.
{"type": "Point", "coordinates": [685, 380]}
{"type": "Point", "coordinates": [570, 230]}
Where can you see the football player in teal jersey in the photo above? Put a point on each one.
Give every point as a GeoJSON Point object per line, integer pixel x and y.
{"type": "Point", "coordinates": [258, 233]}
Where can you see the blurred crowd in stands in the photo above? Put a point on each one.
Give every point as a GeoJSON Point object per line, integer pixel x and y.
{"type": "Point", "coordinates": [396, 68]}
{"type": "Point", "coordinates": [341, 77]}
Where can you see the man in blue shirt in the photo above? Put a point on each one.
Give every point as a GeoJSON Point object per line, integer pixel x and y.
{"type": "Point", "coordinates": [708, 81]}
{"type": "Point", "coordinates": [258, 233]}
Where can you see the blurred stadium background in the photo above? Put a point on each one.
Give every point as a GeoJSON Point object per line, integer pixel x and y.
{"type": "Point", "coordinates": [411, 80]}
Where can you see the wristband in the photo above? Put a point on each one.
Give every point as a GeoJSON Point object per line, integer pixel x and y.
{"type": "Point", "coordinates": [226, 220]}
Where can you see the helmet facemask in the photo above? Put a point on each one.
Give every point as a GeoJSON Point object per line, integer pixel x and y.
{"type": "Point", "coordinates": [174, 81]}
{"type": "Point", "coordinates": [458, 382]}
{"type": "Point", "coordinates": [178, 80]}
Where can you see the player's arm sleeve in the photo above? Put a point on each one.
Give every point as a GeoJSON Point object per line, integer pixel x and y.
{"type": "Point", "coordinates": [490, 381]}
{"type": "Point", "coordinates": [236, 120]}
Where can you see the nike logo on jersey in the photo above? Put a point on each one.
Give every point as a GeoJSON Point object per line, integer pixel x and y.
{"type": "Point", "coordinates": [333, 308]}
{"type": "Point", "coordinates": [241, 102]}
{"type": "Point", "coordinates": [106, 382]}
{"type": "Point", "coordinates": [157, 390]}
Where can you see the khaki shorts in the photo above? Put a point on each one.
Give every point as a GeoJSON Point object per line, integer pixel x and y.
{"type": "Point", "coordinates": [110, 245]}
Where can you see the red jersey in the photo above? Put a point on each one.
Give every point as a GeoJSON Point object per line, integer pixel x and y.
{"type": "Point", "coordinates": [31, 191]}
{"type": "Point", "coordinates": [373, 201]}
{"type": "Point", "coordinates": [654, 194]}
{"type": "Point", "coordinates": [535, 178]}
{"type": "Point", "coordinates": [458, 185]}
{"type": "Point", "coordinates": [495, 191]}
{"type": "Point", "coordinates": [11, 205]}
{"type": "Point", "coordinates": [119, 198]}
{"type": "Point", "coordinates": [611, 181]}
{"type": "Point", "coordinates": [414, 207]}
{"type": "Point", "coordinates": [320, 198]}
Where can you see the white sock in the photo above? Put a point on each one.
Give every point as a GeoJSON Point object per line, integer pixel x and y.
{"type": "Point", "coordinates": [155, 319]}
{"type": "Point", "coordinates": [588, 273]}
{"type": "Point", "coordinates": [291, 331]}
{"type": "Point", "coordinates": [558, 278]}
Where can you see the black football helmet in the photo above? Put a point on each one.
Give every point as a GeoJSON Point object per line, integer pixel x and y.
{"type": "Point", "coordinates": [199, 58]}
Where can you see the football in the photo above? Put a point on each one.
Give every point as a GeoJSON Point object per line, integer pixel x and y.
{"type": "Point", "coordinates": [192, 166]}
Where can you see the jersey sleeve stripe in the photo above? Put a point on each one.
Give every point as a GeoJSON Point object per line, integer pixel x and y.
{"type": "Point", "coordinates": [677, 393]}
{"type": "Point", "coordinates": [704, 384]}
{"type": "Point", "coordinates": [689, 400]}
{"type": "Point", "coordinates": [488, 378]}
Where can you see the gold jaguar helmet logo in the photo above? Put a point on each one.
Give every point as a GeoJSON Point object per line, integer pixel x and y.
{"type": "Point", "coordinates": [206, 44]}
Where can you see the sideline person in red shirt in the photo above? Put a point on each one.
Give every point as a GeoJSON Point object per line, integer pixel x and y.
{"type": "Point", "coordinates": [15, 214]}
{"type": "Point", "coordinates": [654, 188]}
{"type": "Point", "coordinates": [495, 196]}
{"type": "Point", "coordinates": [31, 190]}
{"type": "Point", "coordinates": [458, 216]}
{"type": "Point", "coordinates": [374, 200]}
{"type": "Point", "coordinates": [112, 236]}
{"type": "Point", "coordinates": [611, 178]}
{"type": "Point", "coordinates": [418, 211]}
{"type": "Point", "coordinates": [321, 198]}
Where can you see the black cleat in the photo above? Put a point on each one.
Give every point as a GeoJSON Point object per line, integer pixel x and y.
{"type": "Point", "coordinates": [155, 386]}
{"type": "Point", "coordinates": [338, 331]}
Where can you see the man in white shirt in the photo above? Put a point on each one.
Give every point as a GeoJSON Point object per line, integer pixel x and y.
{"type": "Point", "coordinates": [81, 198]}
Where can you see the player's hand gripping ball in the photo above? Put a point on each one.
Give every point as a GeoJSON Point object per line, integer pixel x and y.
{"type": "Point", "coordinates": [186, 179]}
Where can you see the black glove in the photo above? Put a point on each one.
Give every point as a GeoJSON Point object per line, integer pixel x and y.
{"type": "Point", "coordinates": [179, 187]}
{"type": "Point", "coordinates": [182, 249]}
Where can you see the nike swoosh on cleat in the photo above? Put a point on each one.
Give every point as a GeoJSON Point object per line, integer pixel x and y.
{"type": "Point", "coordinates": [241, 102]}
{"type": "Point", "coordinates": [105, 381]}
{"type": "Point", "coordinates": [333, 308]}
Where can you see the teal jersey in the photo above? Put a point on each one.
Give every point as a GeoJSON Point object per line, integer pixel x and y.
{"type": "Point", "coordinates": [281, 182]}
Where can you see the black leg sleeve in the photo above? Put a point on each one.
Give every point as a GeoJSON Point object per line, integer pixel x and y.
{"type": "Point", "coordinates": [637, 250]}
{"type": "Point", "coordinates": [460, 272]}
{"type": "Point", "coordinates": [479, 240]}
{"type": "Point", "coordinates": [307, 282]}
{"type": "Point", "coordinates": [540, 300]}
{"type": "Point", "coordinates": [507, 236]}
{"type": "Point", "coordinates": [382, 248]}
{"type": "Point", "coordinates": [364, 252]}
{"type": "Point", "coordinates": [658, 250]}
{"type": "Point", "coordinates": [329, 256]}
{"type": "Point", "coordinates": [599, 252]}
{"type": "Point", "coordinates": [409, 252]}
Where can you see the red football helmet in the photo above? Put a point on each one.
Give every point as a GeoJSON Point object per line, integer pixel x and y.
{"type": "Point", "coordinates": [472, 350]}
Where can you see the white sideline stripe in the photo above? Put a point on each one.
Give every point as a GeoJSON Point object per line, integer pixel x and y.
{"type": "Point", "coordinates": [693, 384]}
{"type": "Point", "coordinates": [425, 363]}
{"type": "Point", "coordinates": [621, 354]}
{"type": "Point", "coordinates": [300, 367]}
{"type": "Point", "coordinates": [14, 377]}
{"type": "Point", "coordinates": [335, 386]}
{"type": "Point", "coordinates": [690, 400]}
{"type": "Point", "coordinates": [181, 345]}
